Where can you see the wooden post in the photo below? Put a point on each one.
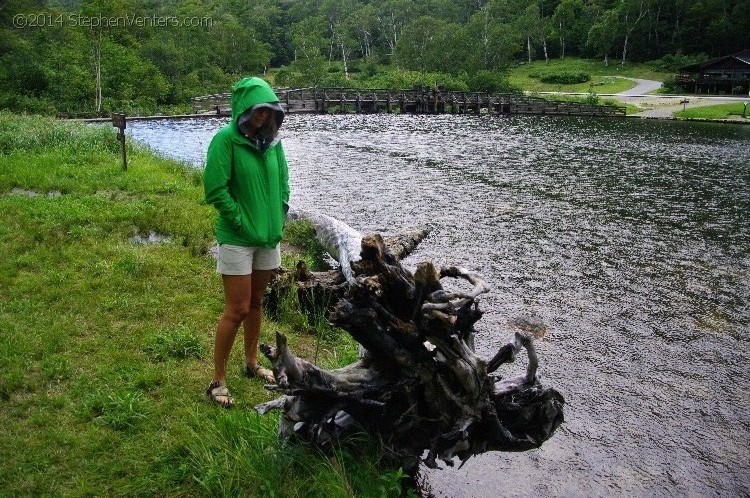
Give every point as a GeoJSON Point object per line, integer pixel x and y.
{"type": "Point", "coordinates": [118, 120]}
{"type": "Point", "coordinates": [388, 105]}
{"type": "Point", "coordinates": [358, 100]}
{"type": "Point", "coordinates": [324, 110]}
{"type": "Point", "coordinates": [374, 102]}
{"type": "Point", "coordinates": [342, 105]}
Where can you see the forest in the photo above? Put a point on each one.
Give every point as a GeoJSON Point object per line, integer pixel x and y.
{"type": "Point", "coordinates": [90, 57]}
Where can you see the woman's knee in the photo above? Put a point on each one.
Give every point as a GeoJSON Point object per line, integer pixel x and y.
{"type": "Point", "coordinates": [237, 314]}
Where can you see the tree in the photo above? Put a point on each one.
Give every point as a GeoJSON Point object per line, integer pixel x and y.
{"type": "Point", "coordinates": [564, 19]}
{"type": "Point", "coordinates": [429, 44]}
{"type": "Point", "coordinates": [602, 35]}
{"type": "Point", "coordinates": [336, 11]}
{"type": "Point", "coordinates": [238, 49]}
{"type": "Point", "coordinates": [362, 24]}
{"type": "Point", "coordinates": [631, 13]}
{"type": "Point", "coordinates": [309, 42]}
{"type": "Point", "coordinates": [392, 15]}
{"type": "Point", "coordinates": [530, 24]}
{"type": "Point", "coordinates": [494, 43]}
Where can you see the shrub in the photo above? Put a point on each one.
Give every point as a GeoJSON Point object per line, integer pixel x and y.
{"type": "Point", "coordinates": [565, 78]}
{"type": "Point", "coordinates": [673, 62]}
{"type": "Point", "coordinates": [369, 68]}
{"type": "Point", "coordinates": [592, 98]}
{"type": "Point", "coordinates": [489, 81]}
{"type": "Point", "coordinates": [284, 76]}
{"type": "Point", "coordinates": [669, 85]}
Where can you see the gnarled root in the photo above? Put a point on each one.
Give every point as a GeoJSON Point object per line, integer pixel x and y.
{"type": "Point", "coordinates": [420, 386]}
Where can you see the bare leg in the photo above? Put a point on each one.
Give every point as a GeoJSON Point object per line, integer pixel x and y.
{"type": "Point", "coordinates": [251, 324]}
{"type": "Point", "coordinates": [237, 291]}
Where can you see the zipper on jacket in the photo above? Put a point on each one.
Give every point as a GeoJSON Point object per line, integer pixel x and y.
{"type": "Point", "coordinates": [267, 181]}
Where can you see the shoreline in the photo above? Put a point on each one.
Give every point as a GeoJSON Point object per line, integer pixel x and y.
{"type": "Point", "coordinates": [695, 120]}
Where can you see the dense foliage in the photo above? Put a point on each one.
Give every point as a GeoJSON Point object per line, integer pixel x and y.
{"type": "Point", "coordinates": [93, 56]}
{"type": "Point", "coordinates": [564, 77]}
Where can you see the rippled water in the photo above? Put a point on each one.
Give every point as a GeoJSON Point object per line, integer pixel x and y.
{"type": "Point", "coordinates": [629, 238]}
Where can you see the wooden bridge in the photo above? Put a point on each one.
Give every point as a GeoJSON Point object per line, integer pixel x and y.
{"type": "Point", "coordinates": [416, 101]}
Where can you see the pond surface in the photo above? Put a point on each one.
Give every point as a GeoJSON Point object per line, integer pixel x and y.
{"type": "Point", "coordinates": [629, 238]}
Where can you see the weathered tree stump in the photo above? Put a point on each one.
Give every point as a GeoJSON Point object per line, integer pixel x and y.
{"type": "Point", "coordinates": [319, 291]}
{"type": "Point", "coordinates": [420, 387]}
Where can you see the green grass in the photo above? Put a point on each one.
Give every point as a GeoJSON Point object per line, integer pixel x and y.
{"type": "Point", "coordinates": [719, 111]}
{"type": "Point", "coordinates": [105, 345]}
{"type": "Point", "coordinates": [591, 98]}
{"type": "Point", "coordinates": [603, 78]}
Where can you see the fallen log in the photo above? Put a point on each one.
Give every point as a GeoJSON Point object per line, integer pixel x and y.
{"type": "Point", "coordinates": [319, 291]}
{"type": "Point", "coordinates": [420, 387]}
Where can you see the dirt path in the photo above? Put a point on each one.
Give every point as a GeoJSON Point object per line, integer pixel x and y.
{"type": "Point", "coordinates": [642, 87]}
{"type": "Point", "coordinates": [660, 106]}
{"type": "Point", "coordinates": [663, 106]}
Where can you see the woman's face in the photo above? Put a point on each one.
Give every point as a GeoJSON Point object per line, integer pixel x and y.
{"type": "Point", "coordinates": [259, 117]}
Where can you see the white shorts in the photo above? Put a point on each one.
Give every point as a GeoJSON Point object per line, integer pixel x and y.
{"type": "Point", "coordinates": [239, 260]}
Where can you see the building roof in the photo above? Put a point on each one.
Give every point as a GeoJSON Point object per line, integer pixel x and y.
{"type": "Point", "coordinates": [743, 57]}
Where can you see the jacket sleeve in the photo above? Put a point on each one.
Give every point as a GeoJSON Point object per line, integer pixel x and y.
{"type": "Point", "coordinates": [284, 179]}
{"type": "Point", "coordinates": [216, 179]}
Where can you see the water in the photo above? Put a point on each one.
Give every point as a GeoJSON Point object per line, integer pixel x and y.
{"type": "Point", "coordinates": [629, 238]}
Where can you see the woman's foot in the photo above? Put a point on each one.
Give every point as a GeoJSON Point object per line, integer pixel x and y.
{"type": "Point", "coordinates": [218, 393]}
{"type": "Point", "coordinates": [259, 371]}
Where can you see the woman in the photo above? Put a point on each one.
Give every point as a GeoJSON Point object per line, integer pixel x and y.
{"type": "Point", "coordinates": [246, 180]}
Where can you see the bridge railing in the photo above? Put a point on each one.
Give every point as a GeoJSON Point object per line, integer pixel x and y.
{"type": "Point", "coordinates": [418, 100]}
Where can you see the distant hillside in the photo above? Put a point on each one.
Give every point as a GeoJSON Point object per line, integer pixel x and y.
{"type": "Point", "coordinates": [94, 56]}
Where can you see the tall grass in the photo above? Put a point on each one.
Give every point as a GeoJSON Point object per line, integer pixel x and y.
{"type": "Point", "coordinates": [238, 453]}
{"type": "Point", "coordinates": [300, 233]}
{"type": "Point", "coordinates": [37, 134]}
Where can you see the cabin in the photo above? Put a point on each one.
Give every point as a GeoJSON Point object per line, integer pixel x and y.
{"type": "Point", "coordinates": [726, 75]}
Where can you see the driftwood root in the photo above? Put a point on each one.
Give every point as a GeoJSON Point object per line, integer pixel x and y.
{"type": "Point", "coordinates": [421, 387]}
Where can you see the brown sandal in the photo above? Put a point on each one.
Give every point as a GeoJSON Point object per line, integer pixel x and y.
{"type": "Point", "coordinates": [259, 371]}
{"type": "Point", "coordinates": [217, 389]}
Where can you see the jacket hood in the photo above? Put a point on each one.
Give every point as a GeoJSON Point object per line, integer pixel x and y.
{"type": "Point", "coordinates": [248, 95]}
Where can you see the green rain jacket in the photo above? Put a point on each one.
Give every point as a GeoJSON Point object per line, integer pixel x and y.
{"type": "Point", "coordinates": [246, 183]}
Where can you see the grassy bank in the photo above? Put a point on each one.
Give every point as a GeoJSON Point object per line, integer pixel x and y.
{"type": "Point", "coordinates": [105, 342]}
{"type": "Point", "coordinates": [720, 111]}
{"type": "Point", "coordinates": [603, 78]}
